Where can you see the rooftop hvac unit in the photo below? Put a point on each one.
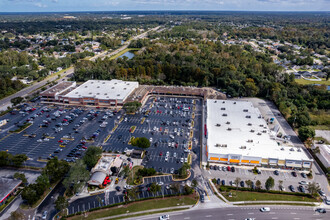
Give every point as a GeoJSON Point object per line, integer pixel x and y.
{"type": "Point", "coordinates": [264, 131]}
{"type": "Point", "coordinates": [218, 125]}
{"type": "Point", "coordinates": [234, 103]}
{"type": "Point", "coordinates": [299, 150]}
{"type": "Point", "coordinates": [215, 101]}
{"type": "Point", "coordinates": [291, 149]}
{"type": "Point", "coordinates": [248, 116]}
{"type": "Point", "coordinates": [223, 108]}
{"type": "Point", "coordinates": [245, 110]}
{"type": "Point", "coordinates": [224, 114]}
{"type": "Point", "coordinates": [249, 124]}
{"type": "Point", "coordinates": [261, 125]}
{"type": "Point", "coordinates": [259, 133]}
{"type": "Point", "coordinates": [103, 83]}
{"type": "Point", "coordinates": [229, 129]}
{"type": "Point", "coordinates": [252, 130]}
{"type": "Point", "coordinates": [223, 102]}
{"type": "Point", "coordinates": [228, 122]}
{"type": "Point", "coordinates": [98, 87]}
{"type": "Point", "coordinates": [250, 141]}
{"type": "Point", "coordinates": [243, 147]}
{"type": "Point", "coordinates": [282, 148]}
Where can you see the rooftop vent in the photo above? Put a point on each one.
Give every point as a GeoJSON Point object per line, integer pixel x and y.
{"type": "Point", "coordinates": [264, 131]}
{"type": "Point", "coordinates": [228, 122]}
{"type": "Point", "coordinates": [245, 110]}
{"type": "Point", "coordinates": [282, 148]}
{"type": "Point", "coordinates": [224, 114]}
{"type": "Point", "coordinates": [92, 82]}
{"type": "Point", "coordinates": [299, 150]}
{"type": "Point", "coordinates": [105, 93]}
{"type": "Point", "coordinates": [259, 133]}
{"type": "Point", "coordinates": [243, 147]}
{"type": "Point", "coordinates": [250, 141]}
{"type": "Point", "coordinates": [252, 130]}
{"type": "Point", "coordinates": [261, 125]}
{"type": "Point", "coordinates": [76, 92]}
{"type": "Point", "coordinates": [249, 124]}
{"type": "Point", "coordinates": [125, 88]}
{"type": "Point", "coordinates": [215, 101]}
{"type": "Point", "coordinates": [97, 93]}
{"type": "Point", "coordinates": [112, 87]}
{"type": "Point", "coordinates": [291, 149]}
{"type": "Point", "coordinates": [223, 102]}
{"type": "Point", "coordinates": [90, 93]}
{"type": "Point", "coordinates": [86, 86]}
{"type": "Point", "coordinates": [229, 129]}
{"type": "Point", "coordinates": [248, 116]}
{"type": "Point", "coordinates": [103, 83]}
{"type": "Point", "coordinates": [234, 103]}
{"type": "Point", "coordinates": [118, 94]}
{"type": "Point", "coordinates": [223, 108]}
{"type": "Point", "coordinates": [98, 87]}
{"type": "Point", "coordinates": [218, 125]}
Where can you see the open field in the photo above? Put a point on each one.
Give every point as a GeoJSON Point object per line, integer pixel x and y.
{"type": "Point", "coordinates": [307, 82]}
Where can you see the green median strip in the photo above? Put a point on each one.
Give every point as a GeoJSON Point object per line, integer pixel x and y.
{"type": "Point", "coordinates": [147, 205]}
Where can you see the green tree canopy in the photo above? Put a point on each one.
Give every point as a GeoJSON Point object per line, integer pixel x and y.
{"type": "Point", "coordinates": [141, 142]}
{"type": "Point", "coordinates": [77, 177]}
{"type": "Point", "coordinates": [269, 183]}
{"type": "Point", "coordinates": [305, 133]}
{"type": "Point", "coordinates": [61, 203]}
{"type": "Point", "coordinates": [131, 107]}
{"type": "Point", "coordinates": [92, 155]}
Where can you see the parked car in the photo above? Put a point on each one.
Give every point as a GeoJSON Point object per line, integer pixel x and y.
{"type": "Point", "coordinates": [218, 181]}
{"type": "Point", "coordinates": [276, 172]}
{"type": "Point", "coordinates": [291, 188]}
{"type": "Point", "coordinates": [321, 210]}
{"type": "Point", "coordinates": [223, 182]}
{"type": "Point", "coordinates": [294, 174]}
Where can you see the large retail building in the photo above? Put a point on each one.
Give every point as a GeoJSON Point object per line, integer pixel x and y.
{"type": "Point", "coordinates": [97, 93]}
{"type": "Point", "coordinates": [237, 134]}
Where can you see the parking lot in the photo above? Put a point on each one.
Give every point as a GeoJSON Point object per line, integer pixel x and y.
{"type": "Point", "coordinates": [246, 174]}
{"type": "Point", "coordinates": [169, 123]}
{"type": "Point", "coordinates": [113, 197]}
{"type": "Point", "coordinates": [55, 131]}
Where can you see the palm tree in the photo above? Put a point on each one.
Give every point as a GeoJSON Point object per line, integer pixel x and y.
{"type": "Point", "coordinates": [132, 193]}
{"type": "Point", "coordinates": [155, 188]}
{"type": "Point", "coordinates": [258, 184]}
{"type": "Point", "coordinates": [313, 188]}
{"type": "Point", "coordinates": [175, 187]}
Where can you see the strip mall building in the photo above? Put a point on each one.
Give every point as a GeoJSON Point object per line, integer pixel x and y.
{"type": "Point", "coordinates": [237, 134]}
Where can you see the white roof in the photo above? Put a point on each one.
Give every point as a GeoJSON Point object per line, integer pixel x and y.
{"type": "Point", "coordinates": [104, 89]}
{"type": "Point", "coordinates": [240, 126]}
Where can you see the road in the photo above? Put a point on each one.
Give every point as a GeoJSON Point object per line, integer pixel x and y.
{"type": "Point", "coordinates": [5, 102]}
{"type": "Point", "coordinates": [126, 44]}
{"type": "Point", "coordinates": [240, 213]}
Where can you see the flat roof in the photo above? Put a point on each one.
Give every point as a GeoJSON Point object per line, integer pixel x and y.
{"type": "Point", "coordinates": [104, 89]}
{"type": "Point", "coordinates": [237, 127]}
{"type": "Point", "coordinates": [7, 186]}
{"type": "Point", "coordinates": [58, 88]}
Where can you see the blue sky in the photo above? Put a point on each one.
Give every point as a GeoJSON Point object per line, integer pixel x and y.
{"type": "Point", "coordinates": [118, 5]}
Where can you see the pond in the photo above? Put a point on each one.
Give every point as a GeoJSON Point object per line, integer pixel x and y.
{"type": "Point", "coordinates": [128, 54]}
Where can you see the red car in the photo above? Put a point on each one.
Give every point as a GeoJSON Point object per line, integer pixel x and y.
{"type": "Point", "coordinates": [161, 153]}
{"type": "Point", "coordinates": [60, 141]}
{"type": "Point", "coordinates": [84, 147]}
{"type": "Point", "coordinates": [176, 145]}
{"type": "Point", "coordinates": [228, 168]}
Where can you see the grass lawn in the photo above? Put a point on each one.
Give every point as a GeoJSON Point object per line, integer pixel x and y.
{"type": "Point", "coordinates": [307, 82]}
{"type": "Point", "coordinates": [322, 118]}
{"type": "Point", "coordinates": [277, 203]}
{"type": "Point", "coordinates": [258, 196]}
{"type": "Point", "coordinates": [131, 177]}
{"type": "Point", "coordinates": [141, 206]}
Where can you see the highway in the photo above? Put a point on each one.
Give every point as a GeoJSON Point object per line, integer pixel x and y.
{"type": "Point", "coordinates": [5, 102]}
{"type": "Point", "coordinates": [241, 213]}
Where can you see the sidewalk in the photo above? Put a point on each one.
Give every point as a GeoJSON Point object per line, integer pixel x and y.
{"type": "Point", "coordinates": [287, 202]}
{"type": "Point", "coordinates": [147, 211]}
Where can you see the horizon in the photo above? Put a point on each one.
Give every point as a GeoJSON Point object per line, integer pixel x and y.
{"type": "Point", "coordinates": [69, 6]}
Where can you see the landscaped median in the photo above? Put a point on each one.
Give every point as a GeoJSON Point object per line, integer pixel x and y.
{"type": "Point", "coordinates": [149, 205]}
{"type": "Point", "coordinates": [22, 128]}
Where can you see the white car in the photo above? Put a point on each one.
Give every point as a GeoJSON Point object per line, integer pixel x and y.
{"type": "Point", "coordinates": [174, 154]}
{"type": "Point", "coordinates": [166, 158]}
{"type": "Point", "coordinates": [172, 170]}
{"type": "Point", "coordinates": [164, 217]}
{"type": "Point", "coordinates": [44, 215]}
{"type": "Point", "coordinates": [303, 182]}
{"type": "Point", "coordinates": [39, 140]}
{"type": "Point", "coordinates": [150, 139]}
{"type": "Point", "coordinates": [160, 183]}
{"type": "Point", "coordinates": [265, 209]}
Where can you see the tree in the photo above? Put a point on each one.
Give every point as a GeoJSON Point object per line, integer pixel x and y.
{"type": "Point", "coordinates": [194, 183]}
{"type": "Point", "coordinates": [306, 133]}
{"type": "Point", "coordinates": [131, 107]}
{"type": "Point", "coordinates": [154, 187]}
{"type": "Point", "coordinates": [132, 193]}
{"type": "Point", "coordinates": [43, 181]}
{"type": "Point", "coordinates": [141, 142]}
{"type": "Point", "coordinates": [183, 171]}
{"type": "Point", "coordinates": [29, 194]}
{"type": "Point", "coordinates": [188, 190]}
{"type": "Point", "coordinates": [19, 159]}
{"type": "Point", "coordinates": [56, 169]}
{"type": "Point", "coordinates": [313, 188]}
{"type": "Point", "coordinates": [92, 155]}
{"type": "Point", "coordinates": [61, 203]}
{"type": "Point", "coordinates": [77, 177]}
{"type": "Point", "coordinates": [21, 176]}
{"type": "Point", "coordinates": [258, 184]}
{"type": "Point", "coordinates": [5, 158]}
{"type": "Point", "coordinates": [269, 183]}
{"type": "Point", "coordinates": [15, 101]}
{"type": "Point", "coordinates": [175, 187]}
{"type": "Point", "coordinates": [248, 183]}
{"type": "Point", "coordinates": [237, 181]}
{"type": "Point", "coordinates": [280, 182]}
